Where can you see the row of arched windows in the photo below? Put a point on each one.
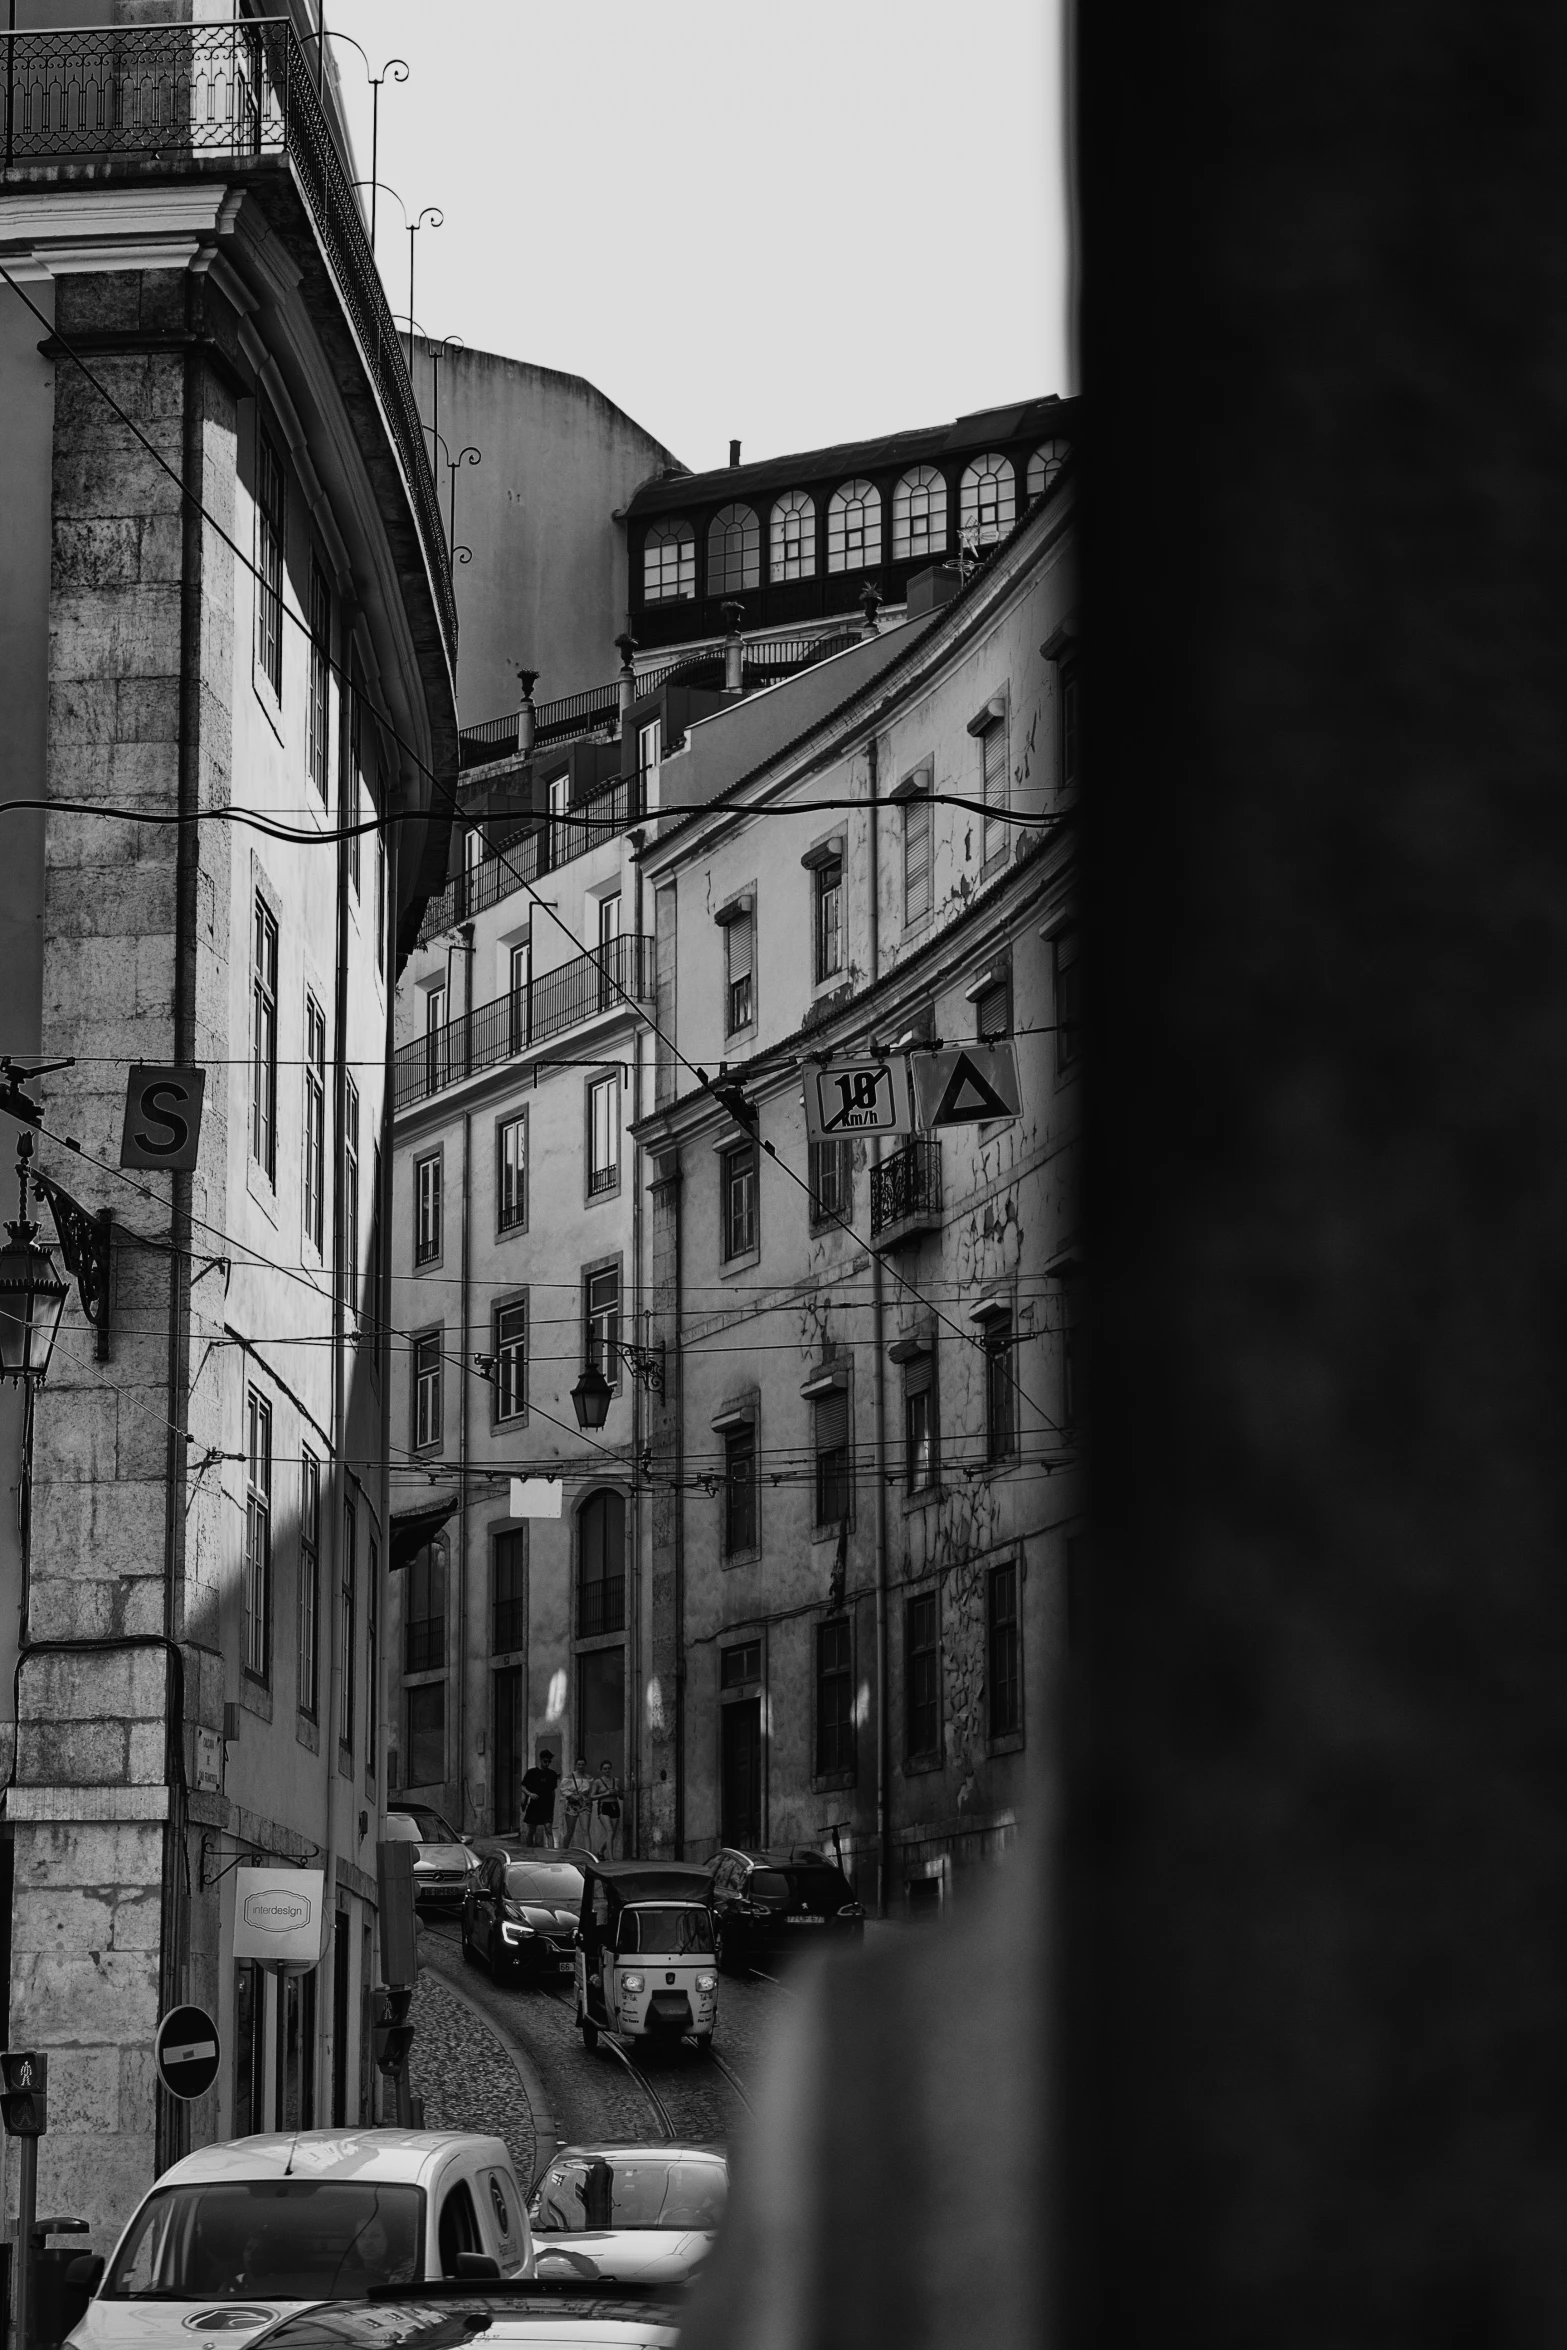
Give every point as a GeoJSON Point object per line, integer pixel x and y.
{"type": "Point", "coordinates": [987, 509]}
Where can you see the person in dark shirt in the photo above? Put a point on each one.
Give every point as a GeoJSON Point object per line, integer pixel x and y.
{"type": "Point", "coordinates": [538, 1787]}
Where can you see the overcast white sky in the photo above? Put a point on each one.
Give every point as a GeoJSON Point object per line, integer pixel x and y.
{"type": "Point", "coordinates": [788, 221]}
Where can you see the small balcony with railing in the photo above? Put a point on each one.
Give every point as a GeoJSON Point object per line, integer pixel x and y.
{"type": "Point", "coordinates": [617, 977]}
{"type": "Point", "coordinates": [906, 1195]}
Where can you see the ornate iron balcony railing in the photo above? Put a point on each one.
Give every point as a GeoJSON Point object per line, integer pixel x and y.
{"type": "Point", "coordinates": [228, 94]}
{"type": "Point", "coordinates": [511, 1024]}
{"type": "Point", "coordinates": [528, 855]}
{"type": "Point", "coordinates": [906, 1188]}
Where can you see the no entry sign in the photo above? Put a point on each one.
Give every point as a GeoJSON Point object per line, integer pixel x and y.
{"type": "Point", "coordinates": [187, 2052]}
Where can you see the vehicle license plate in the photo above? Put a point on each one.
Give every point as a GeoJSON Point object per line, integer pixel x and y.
{"type": "Point", "coordinates": [807, 1921]}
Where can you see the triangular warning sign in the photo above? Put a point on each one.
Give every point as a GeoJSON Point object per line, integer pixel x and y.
{"type": "Point", "coordinates": [968, 1095]}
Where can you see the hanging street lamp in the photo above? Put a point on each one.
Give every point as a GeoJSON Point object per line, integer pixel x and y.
{"type": "Point", "coordinates": [590, 1398]}
{"type": "Point", "coordinates": [32, 1293]}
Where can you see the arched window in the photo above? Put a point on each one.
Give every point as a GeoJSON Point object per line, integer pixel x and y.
{"type": "Point", "coordinates": [987, 498]}
{"type": "Point", "coordinates": [793, 537]}
{"type": "Point", "coordinates": [1045, 464]}
{"type": "Point", "coordinates": [601, 1565]}
{"type": "Point", "coordinates": [668, 562]}
{"type": "Point", "coordinates": [734, 551]}
{"type": "Point", "coordinates": [854, 527]}
{"type": "Point", "coordinates": [919, 515]}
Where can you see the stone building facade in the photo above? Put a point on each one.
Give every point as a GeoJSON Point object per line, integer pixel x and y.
{"type": "Point", "coordinates": [225, 589]}
{"type": "Point", "coordinates": [865, 1464]}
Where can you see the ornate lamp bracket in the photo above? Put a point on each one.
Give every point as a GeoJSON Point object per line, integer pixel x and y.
{"type": "Point", "coordinates": [86, 1245]}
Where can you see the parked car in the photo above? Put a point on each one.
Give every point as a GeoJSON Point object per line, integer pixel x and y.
{"type": "Point", "coordinates": [767, 1905]}
{"type": "Point", "coordinates": [520, 1914]}
{"type": "Point", "coordinates": [532, 2314]}
{"type": "Point", "coordinates": [444, 1867]}
{"type": "Point", "coordinates": [238, 2235]}
{"type": "Point", "coordinates": [642, 2214]}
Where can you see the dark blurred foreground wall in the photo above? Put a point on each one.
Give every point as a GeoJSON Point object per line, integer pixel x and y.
{"type": "Point", "coordinates": [1308, 2083]}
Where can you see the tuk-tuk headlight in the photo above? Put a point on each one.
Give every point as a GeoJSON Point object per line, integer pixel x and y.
{"type": "Point", "coordinates": [633, 1982]}
{"type": "Point", "coordinates": [707, 1982]}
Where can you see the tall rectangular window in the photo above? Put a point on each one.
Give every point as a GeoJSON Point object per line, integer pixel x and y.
{"type": "Point", "coordinates": [828, 889]}
{"type": "Point", "coordinates": [511, 1173]}
{"type": "Point", "coordinates": [427, 1389]}
{"type": "Point", "coordinates": [993, 744]}
{"type": "Point", "coordinates": [830, 1171]}
{"type": "Point", "coordinates": [519, 996]}
{"type": "Point", "coordinates": [258, 1536]}
{"type": "Point", "coordinates": [315, 1124]}
{"type": "Point", "coordinates": [510, 1735]}
{"type": "Point", "coordinates": [919, 1424]}
{"type": "Point", "coordinates": [269, 563]}
{"type": "Point", "coordinates": [993, 1009]}
{"type": "Point", "coordinates": [509, 1597]}
{"type": "Point", "coordinates": [427, 1209]}
{"type": "Point", "coordinates": [916, 856]}
{"type": "Point", "coordinates": [1003, 1675]}
{"type": "Point", "coordinates": [1069, 1006]}
{"type": "Point", "coordinates": [603, 1135]}
{"type": "Point", "coordinates": [601, 1300]}
{"type": "Point", "coordinates": [740, 970]}
{"type": "Point", "coordinates": [250, 2067]}
{"type": "Point", "coordinates": [434, 1038]}
{"type": "Point", "coordinates": [354, 794]}
{"type": "Point", "coordinates": [424, 1610]}
{"type": "Point", "coordinates": [739, 1489]}
{"type": "Point", "coordinates": [1000, 1408]}
{"type": "Point", "coordinates": [511, 1360]}
{"type": "Point", "coordinates": [922, 1677]}
{"type": "Point", "coordinates": [299, 2053]}
{"type": "Point", "coordinates": [426, 1747]}
{"type": "Point", "coordinates": [831, 1433]}
{"type": "Point", "coordinates": [650, 740]}
{"type": "Point", "coordinates": [737, 1177]}
{"type": "Point", "coordinates": [309, 1580]}
{"type": "Point", "coordinates": [319, 715]}
{"type": "Point", "coordinates": [380, 902]}
{"type": "Point", "coordinates": [374, 1301]}
{"type": "Point", "coordinates": [834, 1698]}
{"type": "Point", "coordinates": [373, 1655]}
{"type": "Point", "coordinates": [345, 1635]}
{"type": "Point", "coordinates": [351, 1195]}
{"type": "Point", "coordinates": [263, 1041]}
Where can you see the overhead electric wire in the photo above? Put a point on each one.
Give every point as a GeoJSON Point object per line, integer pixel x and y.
{"type": "Point", "coordinates": [439, 784]}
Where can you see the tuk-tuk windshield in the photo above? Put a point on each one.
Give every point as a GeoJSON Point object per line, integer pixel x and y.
{"type": "Point", "coordinates": [665, 1929]}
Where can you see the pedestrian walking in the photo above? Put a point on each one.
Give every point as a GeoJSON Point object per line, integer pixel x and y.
{"type": "Point", "coordinates": [606, 1812]}
{"type": "Point", "coordinates": [576, 1798]}
{"type": "Point", "coordinates": [538, 1787]}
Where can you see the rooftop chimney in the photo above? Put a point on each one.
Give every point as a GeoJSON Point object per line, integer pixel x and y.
{"type": "Point", "coordinates": [734, 650]}
{"type": "Point", "coordinates": [734, 452]}
{"type": "Point", "coordinates": [528, 679]}
{"type": "Point", "coordinates": [626, 646]}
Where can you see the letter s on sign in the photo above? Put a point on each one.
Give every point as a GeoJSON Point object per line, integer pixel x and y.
{"type": "Point", "coordinates": [162, 1117]}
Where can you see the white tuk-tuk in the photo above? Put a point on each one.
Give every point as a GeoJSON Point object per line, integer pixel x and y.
{"type": "Point", "coordinates": [644, 1953]}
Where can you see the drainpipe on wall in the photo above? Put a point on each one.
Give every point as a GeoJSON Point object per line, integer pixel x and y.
{"type": "Point", "coordinates": [641, 1413]}
{"type": "Point", "coordinates": [734, 650]}
{"type": "Point", "coordinates": [879, 1400]}
{"type": "Point", "coordinates": [464, 1374]}
{"type": "Point", "coordinates": [627, 681]}
{"type": "Point", "coordinates": [526, 719]}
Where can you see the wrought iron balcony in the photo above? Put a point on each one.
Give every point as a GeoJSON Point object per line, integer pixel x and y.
{"type": "Point", "coordinates": [528, 855]}
{"type": "Point", "coordinates": [227, 95]}
{"type": "Point", "coordinates": [906, 1195]}
{"type": "Point", "coordinates": [511, 1024]}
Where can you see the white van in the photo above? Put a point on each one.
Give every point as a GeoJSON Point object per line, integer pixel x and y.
{"type": "Point", "coordinates": [235, 2237]}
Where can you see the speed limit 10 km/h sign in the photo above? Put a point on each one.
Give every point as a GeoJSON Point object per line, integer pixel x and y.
{"type": "Point", "coordinates": [186, 2051]}
{"type": "Point", "coordinates": [857, 1097]}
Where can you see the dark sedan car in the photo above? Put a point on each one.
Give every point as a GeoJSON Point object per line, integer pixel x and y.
{"type": "Point", "coordinates": [521, 1913]}
{"type": "Point", "coordinates": [766, 1905]}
